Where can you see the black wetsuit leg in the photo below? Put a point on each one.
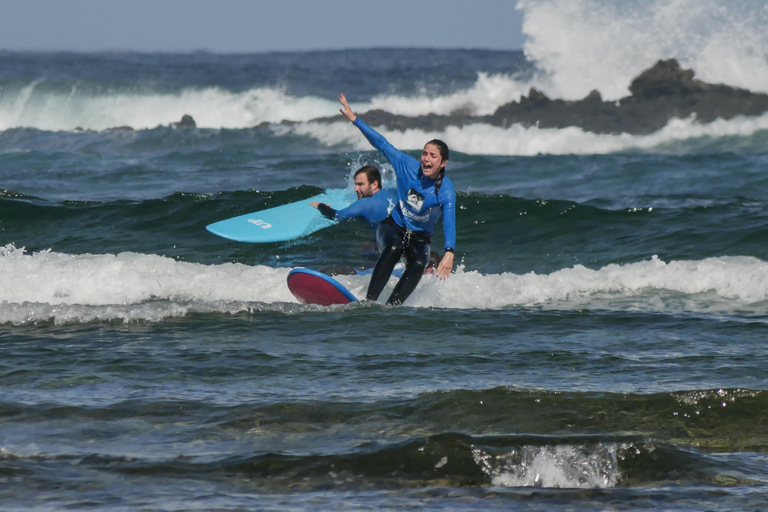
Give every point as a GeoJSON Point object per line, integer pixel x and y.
{"type": "Point", "coordinates": [389, 237]}
{"type": "Point", "coordinates": [416, 259]}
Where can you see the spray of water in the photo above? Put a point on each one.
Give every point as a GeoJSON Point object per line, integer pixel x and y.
{"type": "Point", "coordinates": [581, 45]}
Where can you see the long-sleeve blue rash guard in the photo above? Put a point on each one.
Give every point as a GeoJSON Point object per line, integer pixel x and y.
{"type": "Point", "coordinates": [373, 209]}
{"type": "Point", "coordinates": [418, 207]}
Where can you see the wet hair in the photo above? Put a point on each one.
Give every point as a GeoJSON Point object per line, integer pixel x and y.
{"type": "Point", "coordinates": [371, 172]}
{"type": "Point", "coordinates": [442, 146]}
{"type": "Point", "coordinates": [444, 153]}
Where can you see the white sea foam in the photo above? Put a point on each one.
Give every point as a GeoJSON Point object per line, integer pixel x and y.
{"type": "Point", "coordinates": [215, 108]}
{"type": "Point", "coordinates": [67, 288]}
{"type": "Point", "coordinates": [583, 45]}
{"type": "Point", "coordinates": [568, 466]}
{"type": "Point", "coordinates": [128, 286]}
{"type": "Point", "coordinates": [487, 94]}
{"type": "Point", "coordinates": [578, 45]}
{"type": "Point", "coordinates": [724, 284]}
{"type": "Point", "coordinates": [210, 107]}
{"type": "Point", "coordinates": [526, 141]}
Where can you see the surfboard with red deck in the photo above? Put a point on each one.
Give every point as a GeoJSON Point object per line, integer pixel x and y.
{"type": "Point", "coordinates": [312, 287]}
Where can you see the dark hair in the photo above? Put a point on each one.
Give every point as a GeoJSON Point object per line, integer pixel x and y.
{"type": "Point", "coordinates": [371, 172]}
{"type": "Point", "coordinates": [444, 152]}
{"type": "Point", "coordinates": [442, 146]}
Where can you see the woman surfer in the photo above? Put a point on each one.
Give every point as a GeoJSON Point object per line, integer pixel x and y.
{"type": "Point", "coordinates": [423, 195]}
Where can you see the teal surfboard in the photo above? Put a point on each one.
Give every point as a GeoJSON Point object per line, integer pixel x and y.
{"type": "Point", "coordinates": [281, 223]}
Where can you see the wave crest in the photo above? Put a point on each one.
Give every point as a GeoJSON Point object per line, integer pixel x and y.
{"type": "Point", "coordinates": [65, 288]}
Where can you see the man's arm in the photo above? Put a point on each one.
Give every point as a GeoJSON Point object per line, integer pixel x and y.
{"type": "Point", "coordinates": [325, 209]}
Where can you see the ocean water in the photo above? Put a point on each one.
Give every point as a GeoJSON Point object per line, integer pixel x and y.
{"type": "Point", "coordinates": [601, 344]}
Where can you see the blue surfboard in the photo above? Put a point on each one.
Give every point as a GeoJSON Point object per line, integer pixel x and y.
{"type": "Point", "coordinates": [281, 223]}
{"type": "Point", "coordinates": [312, 287]}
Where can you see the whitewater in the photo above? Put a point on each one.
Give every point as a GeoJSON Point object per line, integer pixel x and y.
{"type": "Point", "coordinates": [140, 287]}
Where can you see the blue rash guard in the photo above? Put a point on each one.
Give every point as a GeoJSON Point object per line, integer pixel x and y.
{"type": "Point", "coordinates": [418, 207]}
{"type": "Point", "coordinates": [373, 209]}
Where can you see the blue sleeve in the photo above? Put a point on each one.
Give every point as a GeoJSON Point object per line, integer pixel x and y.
{"type": "Point", "coordinates": [373, 209]}
{"type": "Point", "coordinates": [376, 139]}
{"type": "Point", "coordinates": [401, 162]}
{"type": "Point", "coordinates": [353, 211]}
{"type": "Point", "coordinates": [448, 199]}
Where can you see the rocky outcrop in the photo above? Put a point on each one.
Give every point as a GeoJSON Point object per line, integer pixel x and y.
{"type": "Point", "coordinates": [187, 121]}
{"type": "Point", "coordinates": [659, 94]}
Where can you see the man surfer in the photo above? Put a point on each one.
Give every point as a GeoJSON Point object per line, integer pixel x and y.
{"type": "Point", "coordinates": [373, 202]}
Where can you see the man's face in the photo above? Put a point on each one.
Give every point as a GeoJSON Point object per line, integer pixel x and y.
{"type": "Point", "coordinates": [364, 188]}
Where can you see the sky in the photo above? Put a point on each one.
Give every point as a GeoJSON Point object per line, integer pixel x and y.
{"type": "Point", "coordinates": [248, 26]}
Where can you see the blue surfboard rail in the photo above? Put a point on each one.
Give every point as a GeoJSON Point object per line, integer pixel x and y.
{"type": "Point", "coordinates": [282, 223]}
{"type": "Point", "coordinates": [313, 287]}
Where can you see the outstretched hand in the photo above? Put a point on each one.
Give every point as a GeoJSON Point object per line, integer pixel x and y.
{"type": "Point", "coordinates": [445, 266]}
{"type": "Point", "coordinates": [347, 110]}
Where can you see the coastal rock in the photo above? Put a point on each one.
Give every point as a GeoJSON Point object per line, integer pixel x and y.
{"type": "Point", "coordinates": [659, 94]}
{"type": "Point", "coordinates": [124, 128]}
{"type": "Point", "coordinates": [186, 122]}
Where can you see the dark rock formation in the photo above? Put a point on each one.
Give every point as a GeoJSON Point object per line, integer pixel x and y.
{"type": "Point", "coordinates": [659, 94]}
{"type": "Point", "coordinates": [186, 122]}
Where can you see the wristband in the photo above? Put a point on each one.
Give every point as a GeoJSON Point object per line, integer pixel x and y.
{"type": "Point", "coordinates": [326, 210]}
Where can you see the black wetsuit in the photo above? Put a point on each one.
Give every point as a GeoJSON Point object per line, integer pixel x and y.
{"type": "Point", "coordinates": [395, 241]}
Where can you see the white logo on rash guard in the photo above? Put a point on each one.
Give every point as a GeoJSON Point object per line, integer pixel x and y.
{"type": "Point", "coordinates": [412, 216]}
{"type": "Point", "coordinates": [415, 200]}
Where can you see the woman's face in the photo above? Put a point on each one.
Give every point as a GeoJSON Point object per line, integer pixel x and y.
{"type": "Point", "coordinates": [432, 161]}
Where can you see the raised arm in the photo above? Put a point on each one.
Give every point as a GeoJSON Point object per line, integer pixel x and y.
{"type": "Point", "coordinates": [377, 140]}
{"type": "Point", "coordinates": [347, 110]}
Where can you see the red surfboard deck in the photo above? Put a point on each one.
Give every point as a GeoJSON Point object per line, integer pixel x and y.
{"type": "Point", "coordinates": [312, 287]}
